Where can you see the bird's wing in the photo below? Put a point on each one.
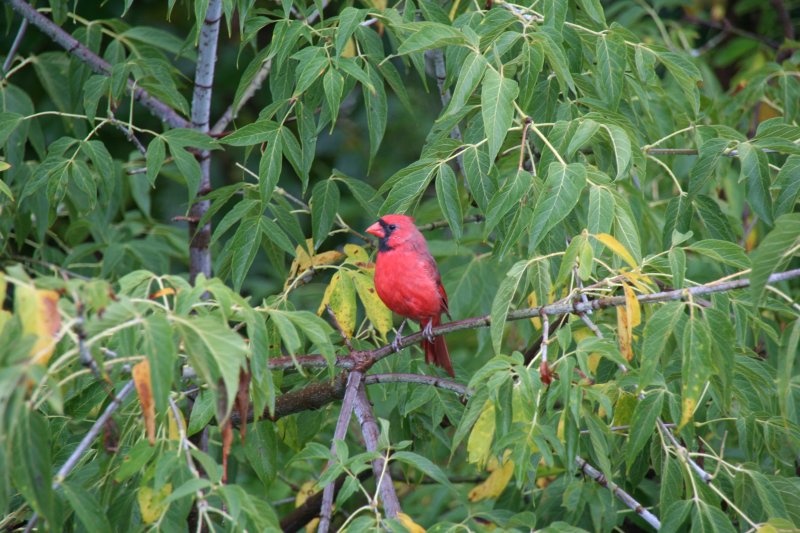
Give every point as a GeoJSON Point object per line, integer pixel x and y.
{"type": "Point", "coordinates": [432, 270]}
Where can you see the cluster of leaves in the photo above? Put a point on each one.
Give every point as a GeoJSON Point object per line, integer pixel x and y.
{"type": "Point", "coordinates": [598, 157]}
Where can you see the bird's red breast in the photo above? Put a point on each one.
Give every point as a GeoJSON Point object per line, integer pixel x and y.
{"type": "Point", "coordinates": [408, 280]}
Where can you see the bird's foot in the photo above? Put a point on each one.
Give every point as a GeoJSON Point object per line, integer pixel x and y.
{"type": "Point", "coordinates": [398, 338]}
{"type": "Point", "coordinates": [427, 331]}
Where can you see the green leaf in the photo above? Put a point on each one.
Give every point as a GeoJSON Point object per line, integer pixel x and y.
{"type": "Point", "coordinates": [502, 302]}
{"type": "Point", "coordinates": [8, 123]}
{"type": "Point", "coordinates": [86, 507]}
{"type": "Point", "coordinates": [333, 85]}
{"type": "Point", "coordinates": [31, 469]}
{"type": "Point", "coordinates": [189, 167]}
{"type": "Point", "coordinates": [310, 69]}
{"type": "Point", "coordinates": [509, 196]}
{"type": "Point", "coordinates": [696, 367]}
{"type": "Point", "coordinates": [497, 97]}
{"type": "Point", "coordinates": [643, 425]}
{"type": "Point", "coordinates": [245, 246]}
{"type": "Point", "coordinates": [377, 110]}
{"type": "Point", "coordinates": [349, 19]}
{"type": "Point", "coordinates": [677, 265]}
{"type": "Point", "coordinates": [424, 465]}
{"type": "Point", "coordinates": [237, 212]}
{"type": "Point", "coordinates": [788, 181]}
{"type": "Point", "coordinates": [703, 169]}
{"type": "Point", "coordinates": [610, 51]}
{"type": "Point", "coordinates": [324, 204]}
{"type": "Point", "coordinates": [261, 450]}
{"type": "Point", "coordinates": [449, 203]}
{"type": "Point", "coordinates": [790, 342]}
{"type": "Point", "coordinates": [476, 170]}
{"type": "Point", "coordinates": [409, 187]}
{"type": "Point", "coordinates": [470, 75]}
{"type": "Point", "coordinates": [273, 233]}
{"type": "Point", "coordinates": [270, 165]}
{"type": "Point", "coordinates": [562, 191]}
{"type": "Point", "coordinates": [755, 169]}
{"type": "Point", "coordinates": [430, 35]}
{"type": "Point", "coordinates": [215, 352]}
{"type": "Point", "coordinates": [601, 210]}
{"type": "Point", "coordinates": [365, 195]}
{"type": "Point", "coordinates": [722, 251]}
{"type": "Point", "coordinates": [771, 254]}
{"type": "Point", "coordinates": [686, 74]}
{"type": "Point", "coordinates": [159, 348]}
{"type": "Point", "coordinates": [202, 412]}
{"type": "Point", "coordinates": [621, 144]}
{"type": "Point", "coordinates": [657, 332]}
{"type": "Point", "coordinates": [287, 331]}
{"type": "Point", "coordinates": [250, 134]}
{"type": "Point", "coordinates": [713, 219]}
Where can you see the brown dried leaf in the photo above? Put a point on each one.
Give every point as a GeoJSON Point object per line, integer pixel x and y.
{"type": "Point", "coordinates": [141, 378]}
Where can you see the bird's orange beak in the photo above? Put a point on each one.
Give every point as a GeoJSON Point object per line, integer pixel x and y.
{"type": "Point", "coordinates": [376, 230]}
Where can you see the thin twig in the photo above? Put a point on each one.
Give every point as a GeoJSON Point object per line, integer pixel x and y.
{"type": "Point", "coordinates": [432, 381]}
{"type": "Point", "coordinates": [371, 433]}
{"type": "Point", "coordinates": [624, 497]}
{"type": "Point", "coordinates": [443, 223]}
{"type": "Point", "coordinates": [351, 390]}
{"type": "Point", "coordinates": [252, 88]}
{"type": "Point", "coordinates": [564, 308]}
{"type": "Point", "coordinates": [702, 474]}
{"type": "Point", "coordinates": [12, 52]}
{"type": "Point", "coordinates": [86, 441]}
{"type": "Point", "coordinates": [95, 62]}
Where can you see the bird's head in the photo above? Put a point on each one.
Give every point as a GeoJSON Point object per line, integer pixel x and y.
{"type": "Point", "coordinates": [392, 231]}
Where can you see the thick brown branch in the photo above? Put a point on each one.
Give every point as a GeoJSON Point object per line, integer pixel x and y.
{"type": "Point", "coordinates": [95, 62]}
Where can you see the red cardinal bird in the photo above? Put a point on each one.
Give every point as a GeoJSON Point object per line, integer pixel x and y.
{"type": "Point", "coordinates": [408, 281]}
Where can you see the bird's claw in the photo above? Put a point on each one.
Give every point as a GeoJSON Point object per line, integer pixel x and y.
{"type": "Point", "coordinates": [398, 338]}
{"type": "Point", "coordinates": [427, 331]}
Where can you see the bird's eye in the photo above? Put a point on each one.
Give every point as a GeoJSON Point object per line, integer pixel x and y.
{"type": "Point", "coordinates": [392, 227]}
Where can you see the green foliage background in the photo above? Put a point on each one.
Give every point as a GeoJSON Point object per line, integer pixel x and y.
{"type": "Point", "coordinates": [605, 150]}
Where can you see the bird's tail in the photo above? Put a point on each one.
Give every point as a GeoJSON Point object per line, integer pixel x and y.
{"type": "Point", "coordinates": [436, 352]}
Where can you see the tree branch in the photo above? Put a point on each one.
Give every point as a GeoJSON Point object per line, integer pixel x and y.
{"type": "Point", "coordinates": [232, 112]}
{"type": "Point", "coordinates": [371, 433]}
{"type": "Point", "coordinates": [351, 390]}
{"type": "Point", "coordinates": [561, 308]}
{"type": "Point", "coordinates": [84, 444]}
{"type": "Point", "coordinates": [95, 62]}
{"type": "Point", "coordinates": [624, 497]}
{"type": "Point", "coordinates": [12, 52]}
{"type": "Point", "coordinates": [200, 238]}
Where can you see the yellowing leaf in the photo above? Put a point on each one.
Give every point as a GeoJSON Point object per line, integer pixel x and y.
{"type": "Point", "coordinates": [480, 439]}
{"type": "Point", "coordinates": [623, 408]}
{"type": "Point", "coordinates": [341, 296]}
{"type": "Point", "coordinates": [141, 378]}
{"type": "Point", "coordinates": [307, 489]}
{"type": "Point", "coordinates": [175, 426]}
{"type": "Point", "coordinates": [356, 254]}
{"type": "Point", "coordinates": [632, 306]}
{"type": "Point", "coordinates": [4, 166]}
{"type": "Point", "coordinates": [640, 281]}
{"type": "Point", "coordinates": [303, 262]}
{"type": "Point", "coordinates": [624, 335]}
{"type": "Point", "coordinates": [409, 524]}
{"type": "Point", "coordinates": [688, 405]}
{"type": "Point", "coordinates": [379, 315]}
{"type": "Point", "coordinates": [616, 247]}
{"type": "Point", "coordinates": [536, 321]}
{"type": "Point", "coordinates": [38, 312]}
{"type": "Point", "coordinates": [349, 48]}
{"type": "Point", "coordinates": [151, 503]}
{"type": "Point", "coordinates": [496, 483]}
{"type": "Point", "coordinates": [580, 334]}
